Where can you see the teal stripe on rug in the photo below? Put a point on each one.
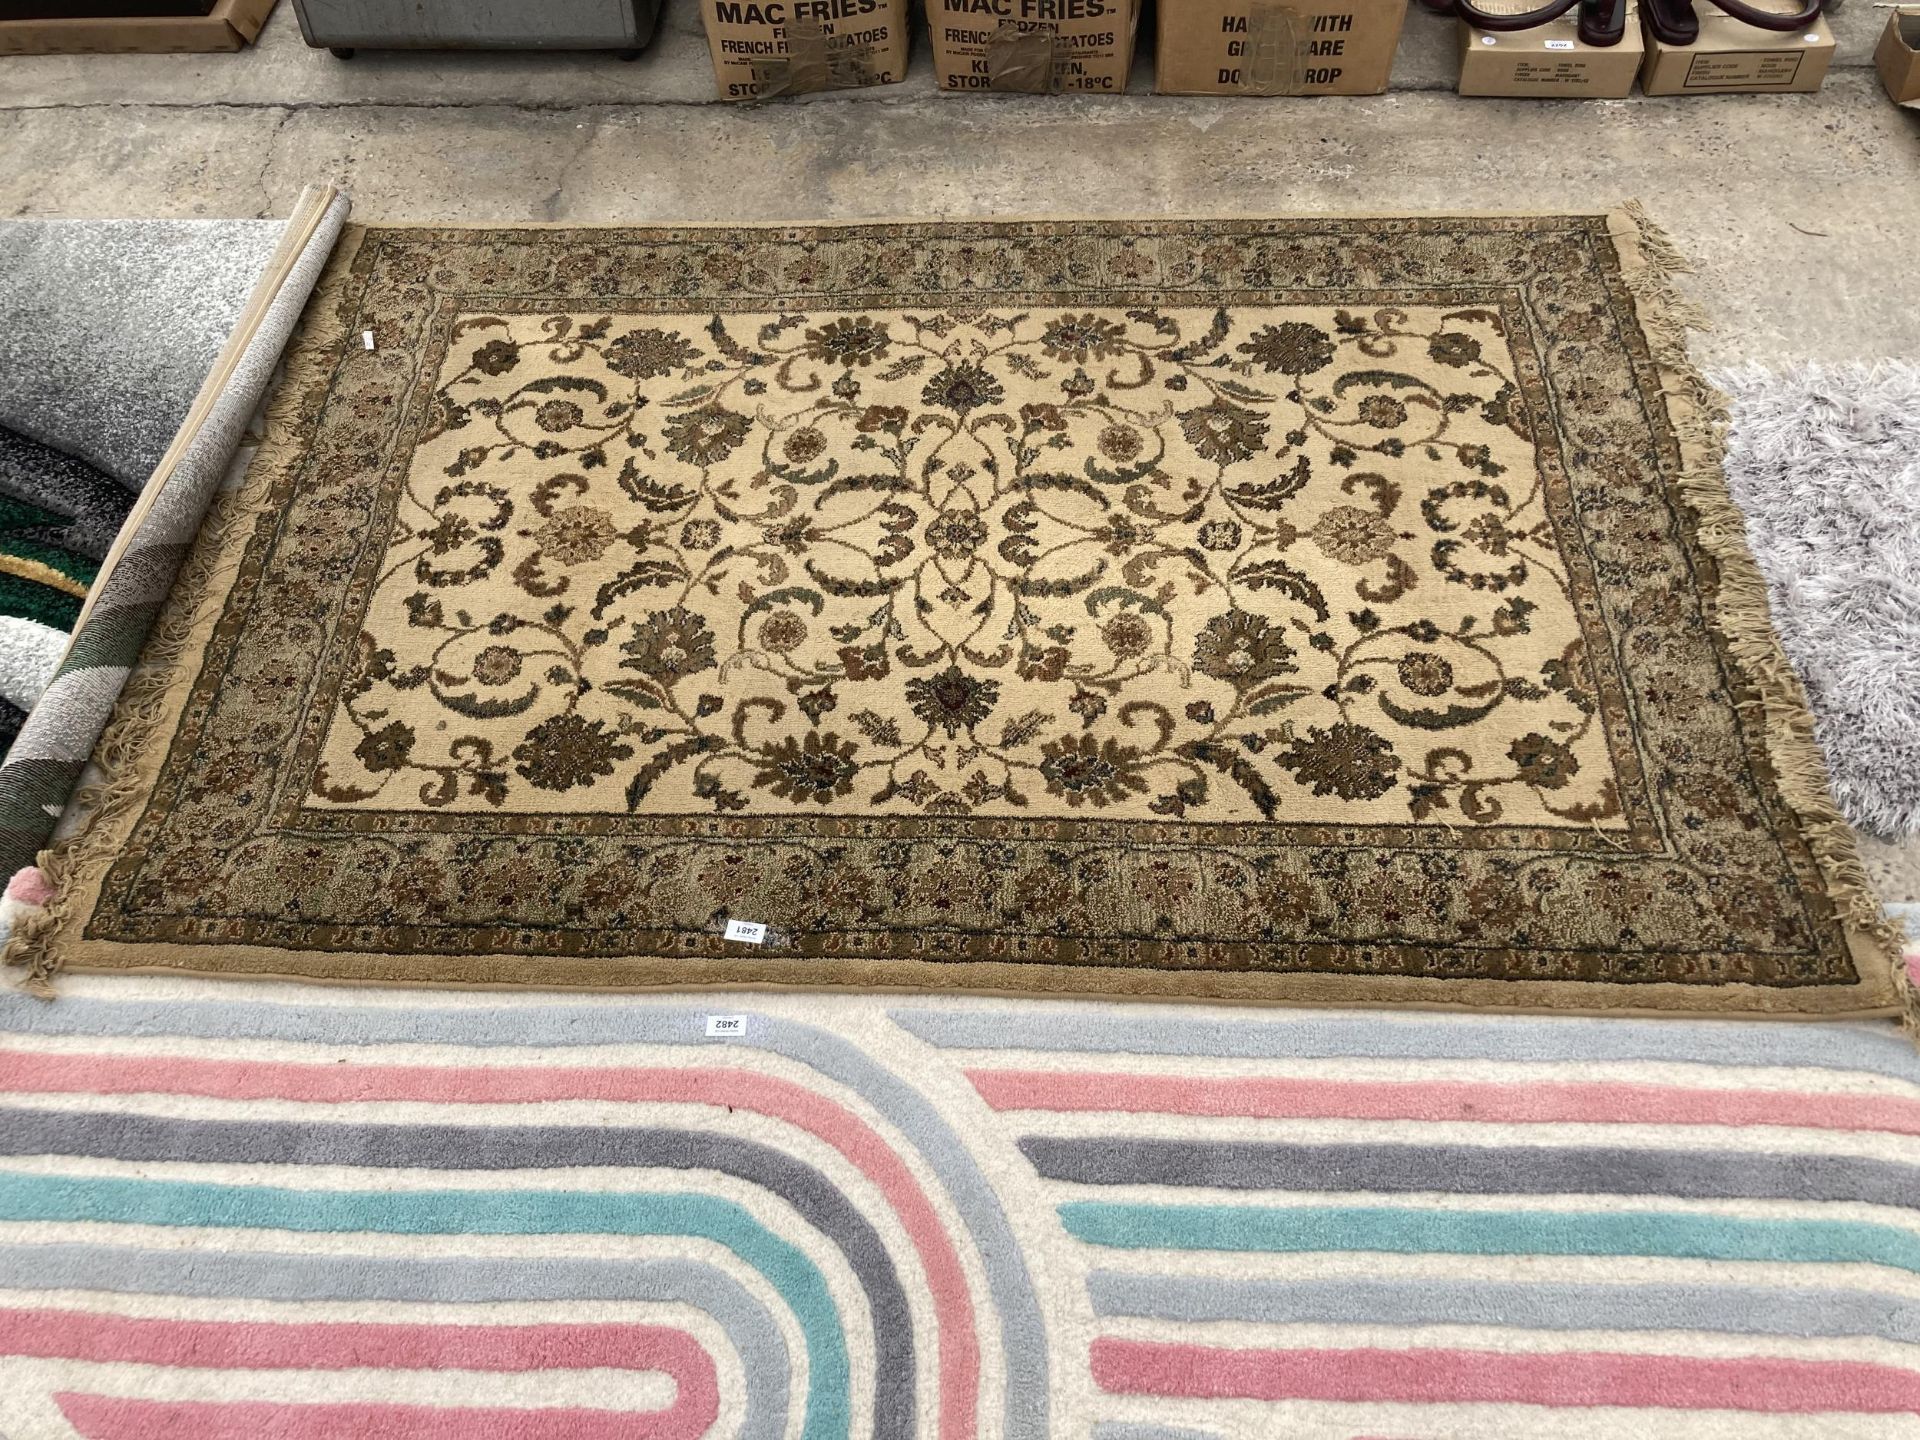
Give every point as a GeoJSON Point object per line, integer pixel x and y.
{"type": "Point", "coordinates": [1284, 1230]}
{"type": "Point", "coordinates": [1615, 1304]}
{"type": "Point", "coordinates": [801, 1287]}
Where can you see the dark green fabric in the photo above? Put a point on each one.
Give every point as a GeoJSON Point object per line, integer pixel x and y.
{"type": "Point", "coordinates": [116, 640]}
{"type": "Point", "coordinates": [33, 601]}
{"type": "Point", "coordinates": [25, 532]}
{"type": "Point", "coordinates": [35, 534]}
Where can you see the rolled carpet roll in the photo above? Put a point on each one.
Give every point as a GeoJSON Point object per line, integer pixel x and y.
{"type": "Point", "coordinates": [38, 777]}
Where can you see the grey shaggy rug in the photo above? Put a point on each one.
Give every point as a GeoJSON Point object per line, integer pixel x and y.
{"type": "Point", "coordinates": [1825, 461]}
{"type": "Point", "coordinates": [108, 327]}
{"type": "Point", "coordinates": [94, 505]}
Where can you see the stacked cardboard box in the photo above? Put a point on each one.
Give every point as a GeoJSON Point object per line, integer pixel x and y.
{"type": "Point", "coordinates": [1550, 61]}
{"type": "Point", "coordinates": [1277, 47]}
{"type": "Point", "coordinates": [764, 48]}
{"type": "Point", "coordinates": [1033, 46]}
{"type": "Point", "coordinates": [1732, 57]}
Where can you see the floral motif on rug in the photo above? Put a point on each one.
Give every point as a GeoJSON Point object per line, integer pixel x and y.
{"type": "Point", "coordinates": [1296, 609]}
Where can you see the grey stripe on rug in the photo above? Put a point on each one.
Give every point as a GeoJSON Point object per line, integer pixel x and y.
{"type": "Point", "coordinates": [1825, 461]}
{"type": "Point", "coordinates": [1460, 1169]}
{"type": "Point", "coordinates": [1428, 1300]}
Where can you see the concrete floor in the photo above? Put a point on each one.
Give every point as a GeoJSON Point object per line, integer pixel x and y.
{"type": "Point", "coordinates": [1823, 189]}
{"type": "Point", "coordinates": [1799, 212]}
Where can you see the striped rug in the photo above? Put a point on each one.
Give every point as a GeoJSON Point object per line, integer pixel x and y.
{"type": "Point", "coordinates": [280, 1212]}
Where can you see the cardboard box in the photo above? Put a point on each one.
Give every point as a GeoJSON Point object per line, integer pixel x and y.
{"type": "Point", "coordinates": [764, 48]}
{"type": "Point", "coordinates": [1276, 47]}
{"type": "Point", "coordinates": [99, 9]}
{"type": "Point", "coordinates": [1898, 58]}
{"type": "Point", "coordinates": [1550, 61]}
{"type": "Point", "coordinates": [228, 25]}
{"type": "Point", "coordinates": [1734, 58]}
{"type": "Point", "coordinates": [1034, 47]}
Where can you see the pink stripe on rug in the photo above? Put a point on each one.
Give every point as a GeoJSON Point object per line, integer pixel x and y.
{"type": "Point", "coordinates": [865, 1149]}
{"type": "Point", "coordinates": [1603, 1103]}
{"type": "Point", "coordinates": [48, 1334]}
{"type": "Point", "coordinates": [1462, 1377]}
{"type": "Point", "coordinates": [111, 1417]}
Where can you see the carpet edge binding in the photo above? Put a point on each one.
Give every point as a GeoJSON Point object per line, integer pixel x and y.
{"type": "Point", "coordinates": [1776, 701]}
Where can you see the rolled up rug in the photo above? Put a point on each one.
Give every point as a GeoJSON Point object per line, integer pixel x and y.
{"type": "Point", "coordinates": [38, 776]}
{"type": "Point", "coordinates": [107, 328]}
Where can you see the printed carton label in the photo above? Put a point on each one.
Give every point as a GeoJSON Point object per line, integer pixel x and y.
{"type": "Point", "coordinates": [1572, 74]}
{"type": "Point", "coordinates": [1773, 68]}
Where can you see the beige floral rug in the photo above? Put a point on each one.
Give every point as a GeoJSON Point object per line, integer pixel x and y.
{"type": "Point", "coordinates": [1320, 610]}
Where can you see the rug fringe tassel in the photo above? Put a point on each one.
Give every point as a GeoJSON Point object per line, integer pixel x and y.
{"type": "Point", "coordinates": [1906, 979]}
{"type": "Point", "coordinates": [23, 903]}
{"type": "Point", "coordinates": [1774, 699]}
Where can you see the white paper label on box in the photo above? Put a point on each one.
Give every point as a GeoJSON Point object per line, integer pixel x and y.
{"type": "Point", "coordinates": [724, 1025]}
{"type": "Point", "coordinates": [1558, 44]}
{"type": "Point", "coordinates": [747, 932]}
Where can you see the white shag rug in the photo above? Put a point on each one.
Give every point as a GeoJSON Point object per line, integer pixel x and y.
{"type": "Point", "coordinates": [1825, 461]}
{"type": "Point", "coordinates": [29, 654]}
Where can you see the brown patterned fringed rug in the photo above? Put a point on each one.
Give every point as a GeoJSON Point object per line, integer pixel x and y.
{"type": "Point", "coordinates": [1312, 610]}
